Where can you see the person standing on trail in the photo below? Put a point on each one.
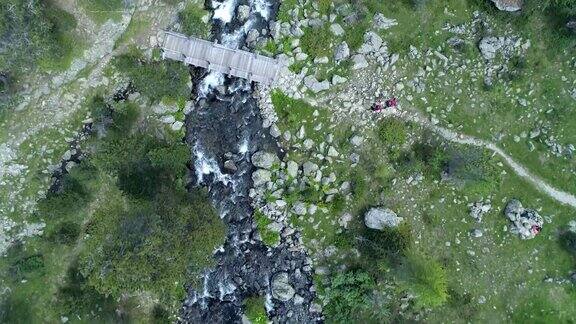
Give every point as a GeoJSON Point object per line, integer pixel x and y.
{"type": "Point", "coordinates": [377, 107]}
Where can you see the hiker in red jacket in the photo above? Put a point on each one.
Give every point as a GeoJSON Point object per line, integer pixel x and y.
{"type": "Point", "coordinates": [391, 103]}
{"type": "Point", "coordinates": [377, 106]}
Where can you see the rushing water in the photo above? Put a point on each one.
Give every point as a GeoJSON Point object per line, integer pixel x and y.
{"type": "Point", "coordinates": [225, 125]}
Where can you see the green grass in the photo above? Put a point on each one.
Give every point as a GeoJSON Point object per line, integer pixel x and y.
{"type": "Point", "coordinates": [137, 25]}
{"type": "Point", "coordinates": [447, 279]}
{"type": "Point", "coordinates": [255, 311]}
{"type": "Point", "coordinates": [269, 237]}
{"type": "Point", "coordinates": [102, 10]}
{"type": "Point", "coordinates": [191, 21]}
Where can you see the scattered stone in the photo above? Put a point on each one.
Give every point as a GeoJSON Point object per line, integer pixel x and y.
{"type": "Point", "coordinates": [299, 208]}
{"type": "Point", "coordinates": [281, 288]}
{"type": "Point", "coordinates": [337, 30]}
{"type": "Point", "coordinates": [275, 131]}
{"type": "Point", "coordinates": [477, 233]}
{"type": "Point", "coordinates": [332, 152]}
{"type": "Point", "coordinates": [314, 85]}
{"type": "Point", "coordinates": [344, 220]}
{"type": "Point", "coordinates": [336, 79]}
{"type": "Point", "coordinates": [243, 13]}
{"type": "Point", "coordinates": [381, 22]}
{"type": "Point", "coordinates": [177, 125]}
{"type": "Point", "coordinates": [264, 160]}
{"type": "Point", "coordinates": [359, 62]}
{"type": "Point", "coordinates": [527, 223]}
{"type": "Point", "coordinates": [310, 168]}
{"type": "Point", "coordinates": [380, 218]}
{"type": "Point", "coordinates": [341, 52]}
{"type": "Point", "coordinates": [356, 140]}
{"type": "Point", "coordinates": [489, 46]}
{"type": "Point", "coordinates": [321, 60]}
{"type": "Point", "coordinates": [292, 169]}
{"type": "Point", "coordinates": [478, 209]}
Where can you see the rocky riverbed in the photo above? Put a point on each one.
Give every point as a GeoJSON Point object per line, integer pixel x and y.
{"type": "Point", "coordinates": [224, 130]}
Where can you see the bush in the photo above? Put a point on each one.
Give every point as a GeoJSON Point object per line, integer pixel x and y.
{"type": "Point", "coordinates": [33, 32]}
{"type": "Point", "coordinates": [154, 79]}
{"type": "Point", "coordinates": [568, 242]}
{"type": "Point", "coordinates": [66, 232]}
{"type": "Point", "coordinates": [348, 297]}
{"type": "Point", "coordinates": [427, 280]}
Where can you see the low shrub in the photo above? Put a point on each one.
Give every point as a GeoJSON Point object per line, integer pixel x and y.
{"type": "Point", "coordinates": [66, 232]}
{"type": "Point", "coordinates": [349, 298]}
{"type": "Point", "coordinates": [427, 280]}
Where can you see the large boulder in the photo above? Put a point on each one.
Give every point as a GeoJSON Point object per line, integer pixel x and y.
{"type": "Point", "coordinates": [380, 218]}
{"type": "Point", "coordinates": [527, 223]}
{"type": "Point", "coordinates": [281, 288]}
{"type": "Point", "coordinates": [508, 5]}
{"type": "Point", "coordinates": [264, 160]}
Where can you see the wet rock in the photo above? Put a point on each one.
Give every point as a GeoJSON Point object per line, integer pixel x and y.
{"type": "Point", "coordinates": [243, 13]}
{"type": "Point", "coordinates": [264, 160]}
{"type": "Point", "coordinates": [281, 288]}
{"type": "Point", "coordinates": [230, 166]}
{"type": "Point", "coordinates": [341, 52]}
{"type": "Point", "coordinates": [381, 22]}
{"type": "Point", "coordinates": [261, 177]}
{"type": "Point", "coordinates": [508, 5]}
{"type": "Point", "coordinates": [527, 223]}
{"type": "Point", "coordinates": [380, 218]}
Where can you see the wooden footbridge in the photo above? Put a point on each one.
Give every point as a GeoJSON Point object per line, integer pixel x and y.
{"type": "Point", "coordinates": [215, 57]}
